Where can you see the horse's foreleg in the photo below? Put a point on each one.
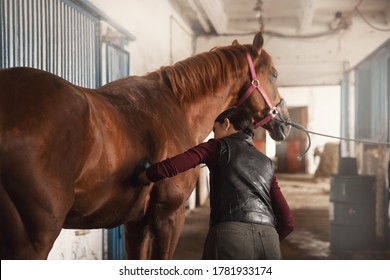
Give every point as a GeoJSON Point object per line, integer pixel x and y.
{"type": "Point", "coordinates": [137, 240]}
{"type": "Point", "coordinates": [166, 228]}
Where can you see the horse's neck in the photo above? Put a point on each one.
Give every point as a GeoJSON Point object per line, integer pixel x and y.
{"type": "Point", "coordinates": [202, 113]}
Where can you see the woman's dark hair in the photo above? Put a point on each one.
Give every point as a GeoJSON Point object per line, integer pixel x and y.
{"type": "Point", "coordinates": [240, 119]}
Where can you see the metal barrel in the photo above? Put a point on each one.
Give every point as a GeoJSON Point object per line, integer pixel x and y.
{"type": "Point", "coordinates": [352, 212]}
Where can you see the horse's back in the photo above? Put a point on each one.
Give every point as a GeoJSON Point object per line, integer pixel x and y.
{"type": "Point", "coordinates": [35, 94]}
{"type": "Point", "coordinates": [39, 112]}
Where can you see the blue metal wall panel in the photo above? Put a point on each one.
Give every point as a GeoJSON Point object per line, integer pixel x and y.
{"type": "Point", "coordinates": [116, 244]}
{"type": "Point", "coordinates": [372, 96]}
{"type": "Point", "coordinates": [51, 35]}
{"type": "Point", "coordinates": [117, 62]}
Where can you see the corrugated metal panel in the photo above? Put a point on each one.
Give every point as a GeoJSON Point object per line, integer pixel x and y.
{"type": "Point", "coordinates": [364, 98]}
{"type": "Point", "coordinates": [116, 244]}
{"type": "Point", "coordinates": [117, 62]}
{"type": "Point", "coordinates": [52, 35]}
{"type": "Point", "coordinates": [372, 96]}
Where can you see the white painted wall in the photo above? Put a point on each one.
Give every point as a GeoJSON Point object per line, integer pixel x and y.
{"type": "Point", "coordinates": [162, 37]}
{"type": "Point", "coordinates": [78, 245]}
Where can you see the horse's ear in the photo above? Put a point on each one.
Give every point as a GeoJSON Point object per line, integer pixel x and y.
{"type": "Point", "coordinates": [235, 43]}
{"type": "Point", "coordinates": [258, 42]}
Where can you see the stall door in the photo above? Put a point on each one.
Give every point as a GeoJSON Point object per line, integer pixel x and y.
{"type": "Point", "coordinates": [287, 152]}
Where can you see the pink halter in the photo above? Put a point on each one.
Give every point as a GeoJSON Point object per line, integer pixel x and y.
{"type": "Point", "coordinates": [274, 110]}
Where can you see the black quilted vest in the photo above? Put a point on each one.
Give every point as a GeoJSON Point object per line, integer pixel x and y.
{"type": "Point", "coordinates": [240, 183]}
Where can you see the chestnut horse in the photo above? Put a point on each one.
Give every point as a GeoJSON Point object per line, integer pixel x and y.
{"type": "Point", "coordinates": [68, 154]}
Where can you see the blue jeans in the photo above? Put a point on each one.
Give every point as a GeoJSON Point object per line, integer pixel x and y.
{"type": "Point", "coordinates": [242, 241]}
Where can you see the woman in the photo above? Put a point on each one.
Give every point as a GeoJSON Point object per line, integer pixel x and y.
{"type": "Point", "coordinates": [249, 215]}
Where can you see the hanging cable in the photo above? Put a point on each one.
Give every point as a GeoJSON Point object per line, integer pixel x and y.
{"type": "Point", "coordinates": [356, 9]}
{"type": "Point", "coordinates": [308, 132]}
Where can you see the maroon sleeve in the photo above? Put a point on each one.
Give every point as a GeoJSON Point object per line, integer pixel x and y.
{"type": "Point", "coordinates": [284, 218]}
{"type": "Point", "coordinates": [206, 152]}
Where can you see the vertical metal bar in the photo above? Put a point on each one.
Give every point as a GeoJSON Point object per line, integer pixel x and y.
{"type": "Point", "coordinates": [11, 32]}
{"type": "Point", "coordinates": [71, 41]}
{"type": "Point", "coordinates": [68, 53]}
{"type": "Point", "coordinates": [40, 36]}
{"type": "Point", "coordinates": [49, 36]}
{"type": "Point", "coordinates": [14, 42]}
{"type": "Point", "coordinates": [27, 31]}
{"type": "Point", "coordinates": [22, 34]}
{"type": "Point", "coordinates": [107, 62]}
{"type": "Point", "coordinates": [92, 54]}
{"type": "Point", "coordinates": [17, 34]}
{"type": "Point", "coordinates": [2, 33]}
{"type": "Point", "coordinates": [63, 41]}
{"type": "Point", "coordinates": [77, 47]}
{"type": "Point", "coordinates": [8, 54]}
{"type": "Point", "coordinates": [55, 37]}
{"type": "Point", "coordinates": [33, 33]}
{"type": "Point", "coordinates": [83, 52]}
{"type": "Point", "coordinates": [44, 35]}
{"type": "Point", "coordinates": [79, 40]}
{"type": "Point", "coordinates": [89, 42]}
{"type": "Point", "coordinates": [98, 45]}
{"type": "Point", "coordinates": [73, 48]}
{"type": "Point", "coordinates": [84, 48]}
{"type": "Point", "coordinates": [67, 39]}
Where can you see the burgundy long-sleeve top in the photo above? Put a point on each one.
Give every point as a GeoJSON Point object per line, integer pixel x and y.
{"type": "Point", "coordinates": [208, 153]}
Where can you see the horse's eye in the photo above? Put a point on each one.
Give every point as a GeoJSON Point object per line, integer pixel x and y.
{"type": "Point", "coordinates": [274, 73]}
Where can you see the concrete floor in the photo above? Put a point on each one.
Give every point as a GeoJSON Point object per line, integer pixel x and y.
{"type": "Point", "coordinates": [309, 201]}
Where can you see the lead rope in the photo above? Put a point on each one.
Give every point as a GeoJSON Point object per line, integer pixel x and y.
{"type": "Point", "coordinates": [308, 132]}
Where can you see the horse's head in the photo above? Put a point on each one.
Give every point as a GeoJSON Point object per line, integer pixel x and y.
{"type": "Point", "coordinates": [260, 96]}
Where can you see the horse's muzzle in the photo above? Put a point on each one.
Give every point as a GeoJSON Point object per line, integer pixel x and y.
{"type": "Point", "coordinates": [278, 130]}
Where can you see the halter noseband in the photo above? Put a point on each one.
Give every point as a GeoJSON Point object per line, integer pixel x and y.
{"type": "Point", "coordinates": [274, 110]}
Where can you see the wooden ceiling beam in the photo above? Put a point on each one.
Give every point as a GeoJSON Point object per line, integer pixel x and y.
{"type": "Point", "coordinates": [306, 14]}
{"type": "Point", "coordinates": [216, 13]}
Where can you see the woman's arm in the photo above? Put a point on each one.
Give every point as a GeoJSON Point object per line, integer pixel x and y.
{"type": "Point", "coordinates": [285, 223]}
{"type": "Point", "coordinates": [203, 153]}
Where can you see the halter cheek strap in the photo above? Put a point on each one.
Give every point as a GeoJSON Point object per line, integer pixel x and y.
{"type": "Point", "coordinates": [274, 110]}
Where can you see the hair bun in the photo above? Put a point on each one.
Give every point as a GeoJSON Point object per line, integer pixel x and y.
{"type": "Point", "coordinates": [249, 131]}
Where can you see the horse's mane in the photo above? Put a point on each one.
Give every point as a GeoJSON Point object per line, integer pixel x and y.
{"type": "Point", "coordinates": [207, 72]}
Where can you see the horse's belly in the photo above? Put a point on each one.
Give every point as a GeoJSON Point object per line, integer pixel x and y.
{"type": "Point", "coordinates": [111, 209]}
